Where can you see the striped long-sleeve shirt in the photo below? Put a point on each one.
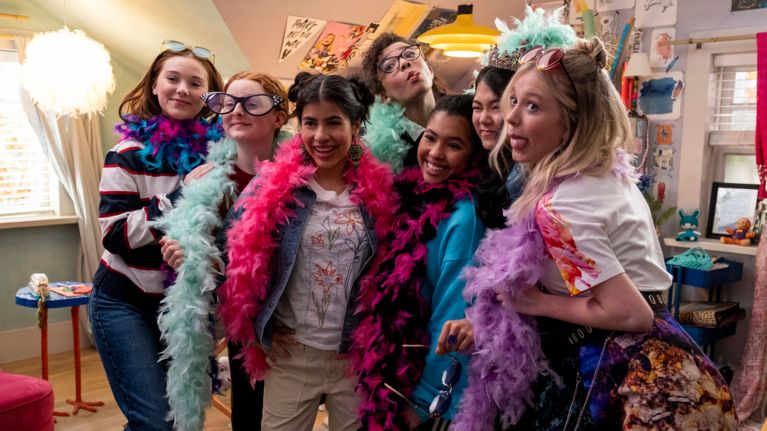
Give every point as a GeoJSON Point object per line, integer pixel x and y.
{"type": "Point", "coordinates": [132, 195]}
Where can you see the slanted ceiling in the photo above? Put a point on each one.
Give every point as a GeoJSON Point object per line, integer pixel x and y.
{"type": "Point", "coordinates": [244, 34]}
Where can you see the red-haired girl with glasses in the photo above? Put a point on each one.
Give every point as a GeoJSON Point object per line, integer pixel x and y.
{"type": "Point", "coordinates": [581, 254]}
{"type": "Point", "coordinates": [164, 137]}
{"type": "Point", "coordinates": [254, 107]}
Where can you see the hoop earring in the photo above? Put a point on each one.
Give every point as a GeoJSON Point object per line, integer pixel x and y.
{"type": "Point", "coordinates": [355, 153]}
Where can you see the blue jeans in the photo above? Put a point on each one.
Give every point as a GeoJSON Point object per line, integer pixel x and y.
{"type": "Point", "coordinates": [125, 331]}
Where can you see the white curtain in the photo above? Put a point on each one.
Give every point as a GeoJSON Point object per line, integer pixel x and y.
{"type": "Point", "coordinates": [73, 146]}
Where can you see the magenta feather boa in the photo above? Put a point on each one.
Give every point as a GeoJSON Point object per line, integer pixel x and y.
{"type": "Point", "coordinates": [391, 302]}
{"type": "Point", "coordinates": [266, 205]}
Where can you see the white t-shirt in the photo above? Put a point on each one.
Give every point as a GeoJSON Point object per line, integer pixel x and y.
{"type": "Point", "coordinates": [596, 228]}
{"type": "Point", "coordinates": [333, 248]}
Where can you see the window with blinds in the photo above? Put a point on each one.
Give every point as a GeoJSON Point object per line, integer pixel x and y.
{"type": "Point", "coordinates": [27, 184]}
{"type": "Point", "coordinates": [733, 118]}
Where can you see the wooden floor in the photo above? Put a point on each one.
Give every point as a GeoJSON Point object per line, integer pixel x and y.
{"type": "Point", "coordinates": [95, 388]}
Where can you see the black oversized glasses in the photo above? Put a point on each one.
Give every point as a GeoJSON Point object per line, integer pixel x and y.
{"type": "Point", "coordinates": [390, 64]}
{"type": "Point", "coordinates": [198, 51]}
{"type": "Point", "coordinates": [451, 375]}
{"type": "Point", "coordinates": [255, 104]}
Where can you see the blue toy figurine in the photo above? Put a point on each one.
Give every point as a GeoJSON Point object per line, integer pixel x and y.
{"type": "Point", "coordinates": [689, 223]}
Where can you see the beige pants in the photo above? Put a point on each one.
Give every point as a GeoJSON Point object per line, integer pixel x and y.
{"type": "Point", "coordinates": [293, 387]}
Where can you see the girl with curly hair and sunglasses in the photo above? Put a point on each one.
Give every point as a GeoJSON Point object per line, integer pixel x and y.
{"type": "Point", "coordinates": [409, 343]}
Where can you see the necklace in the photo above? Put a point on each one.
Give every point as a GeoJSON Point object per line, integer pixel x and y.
{"type": "Point", "coordinates": [591, 387]}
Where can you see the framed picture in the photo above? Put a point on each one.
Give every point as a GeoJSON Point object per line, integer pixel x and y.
{"type": "Point", "coordinates": [729, 202]}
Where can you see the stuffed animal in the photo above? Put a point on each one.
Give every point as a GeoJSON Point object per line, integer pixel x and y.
{"type": "Point", "coordinates": [689, 223]}
{"type": "Point", "coordinates": [223, 380]}
{"type": "Point", "coordinates": [740, 235]}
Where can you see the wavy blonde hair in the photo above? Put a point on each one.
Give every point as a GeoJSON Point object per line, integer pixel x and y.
{"type": "Point", "coordinates": [596, 118]}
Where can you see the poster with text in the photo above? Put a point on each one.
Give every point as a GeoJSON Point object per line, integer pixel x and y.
{"type": "Point", "coordinates": [334, 48]}
{"type": "Point", "coordinates": [298, 31]}
{"type": "Point", "coordinates": [655, 13]}
{"type": "Point", "coordinates": [662, 53]}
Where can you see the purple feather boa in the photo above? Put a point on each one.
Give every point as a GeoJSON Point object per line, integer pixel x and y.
{"type": "Point", "coordinates": [508, 356]}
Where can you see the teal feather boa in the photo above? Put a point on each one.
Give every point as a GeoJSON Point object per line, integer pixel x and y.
{"type": "Point", "coordinates": [385, 125]}
{"type": "Point", "coordinates": [185, 312]}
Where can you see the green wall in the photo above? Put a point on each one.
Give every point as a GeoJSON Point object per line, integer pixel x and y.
{"type": "Point", "coordinates": [23, 251]}
{"type": "Point", "coordinates": [49, 249]}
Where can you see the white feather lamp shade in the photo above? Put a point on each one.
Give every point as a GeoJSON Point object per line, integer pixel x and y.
{"type": "Point", "coordinates": [66, 72]}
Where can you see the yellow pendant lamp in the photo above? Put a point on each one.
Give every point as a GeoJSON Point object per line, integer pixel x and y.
{"type": "Point", "coordinates": [461, 38]}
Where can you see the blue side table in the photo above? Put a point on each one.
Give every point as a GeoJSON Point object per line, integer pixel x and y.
{"type": "Point", "coordinates": [26, 298]}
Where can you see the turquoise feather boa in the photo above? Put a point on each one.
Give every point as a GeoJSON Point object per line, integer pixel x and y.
{"type": "Point", "coordinates": [184, 319]}
{"type": "Point", "coordinates": [185, 311]}
{"type": "Point", "coordinates": [385, 125]}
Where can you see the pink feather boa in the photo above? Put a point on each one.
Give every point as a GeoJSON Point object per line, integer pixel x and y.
{"type": "Point", "coordinates": [266, 208]}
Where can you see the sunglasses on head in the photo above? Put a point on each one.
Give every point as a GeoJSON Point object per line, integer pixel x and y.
{"type": "Point", "coordinates": [198, 51]}
{"type": "Point", "coordinates": [444, 398]}
{"type": "Point", "coordinates": [255, 104]}
{"type": "Point", "coordinates": [548, 59]}
{"type": "Point", "coordinates": [390, 64]}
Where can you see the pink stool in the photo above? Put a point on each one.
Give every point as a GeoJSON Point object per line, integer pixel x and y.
{"type": "Point", "coordinates": [26, 403]}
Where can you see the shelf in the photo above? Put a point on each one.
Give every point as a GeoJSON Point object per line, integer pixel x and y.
{"type": "Point", "coordinates": [704, 335]}
{"type": "Point", "coordinates": [712, 245]}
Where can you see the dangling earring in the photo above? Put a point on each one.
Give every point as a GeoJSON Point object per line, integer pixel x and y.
{"type": "Point", "coordinates": [305, 153]}
{"type": "Point", "coordinates": [355, 153]}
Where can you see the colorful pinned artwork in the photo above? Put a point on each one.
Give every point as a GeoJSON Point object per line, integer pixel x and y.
{"type": "Point", "coordinates": [334, 48]}
{"type": "Point", "coordinates": [660, 96]}
{"type": "Point", "coordinates": [663, 158]}
{"type": "Point", "coordinates": [662, 52]}
{"type": "Point", "coordinates": [664, 134]}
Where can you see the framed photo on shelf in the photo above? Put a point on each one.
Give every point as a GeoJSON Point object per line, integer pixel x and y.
{"type": "Point", "coordinates": [729, 202]}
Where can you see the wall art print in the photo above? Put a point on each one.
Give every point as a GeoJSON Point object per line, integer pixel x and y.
{"type": "Point", "coordinates": [655, 13]}
{"type": "Point", "coordinates": [334, 48]}
{"type": "Point", "coordinates": [660, 96]}
{"type": "Point", "coordinates": [298, 31]}
{"type": "Point", "coordinates": [662, 53]}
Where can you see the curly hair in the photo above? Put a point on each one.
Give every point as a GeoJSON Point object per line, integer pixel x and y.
{"type": "Point", "coordinates": [371, 57]}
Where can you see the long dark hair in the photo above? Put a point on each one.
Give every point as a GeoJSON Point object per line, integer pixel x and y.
{"type": "Point", "coordinates": [492, 187]}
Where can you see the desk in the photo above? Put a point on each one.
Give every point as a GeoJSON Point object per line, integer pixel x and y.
{"type": "Point", "coordinates": [26, 298]}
